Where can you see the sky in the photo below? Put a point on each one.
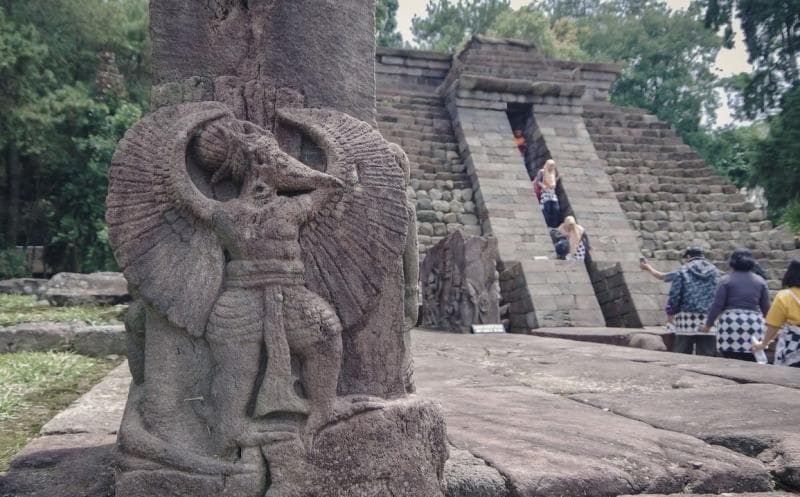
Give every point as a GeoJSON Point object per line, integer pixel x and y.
{"type": "Point", "coordinates": [729, 62]}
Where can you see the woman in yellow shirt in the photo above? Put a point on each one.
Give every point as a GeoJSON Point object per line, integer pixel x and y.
{"type": "Point", "coordinates": [784, 318]}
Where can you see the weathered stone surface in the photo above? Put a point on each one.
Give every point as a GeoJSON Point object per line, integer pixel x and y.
{"type": "Point", "coordinates": [647, 341]}
{"type": "Point", "coordinates": [25, 286]}
{"type": "Point", "coordinates": [476, 371]}
{"type": "Point", "coordinates": [548, 445]}
{"type": "Point", "coordinates": [31, 337]}
{"type": "Point", "coordinates": [745, 494]}
{"type": "Point", "coordinates": [64, 466]}
{"type": "Point", "coordinates": [611, 336]}
{"type": "Point", "coordinates": [768, 430]}
{"type": "Point", "coordinates": [105, 288]}
{"type": "Point", "coordinates": [99, 411]}
{"type": "Point", "coordinates": [293, 40]}
{"type": "Point", "coordinates": [468, 476]}
{"type": "Point", "coordinates": [95, 341]}
{"type": "Point", "coordinates": [459, 283]}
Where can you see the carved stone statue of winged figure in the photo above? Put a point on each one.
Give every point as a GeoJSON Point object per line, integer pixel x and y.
{"type": "Point", "coordinates": [240, 250]}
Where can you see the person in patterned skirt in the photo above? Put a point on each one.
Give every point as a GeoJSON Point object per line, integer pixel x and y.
{"type": "Point", "coordinates": [545, 183]}
{"type": "Point", "coordinates": [690, 296]}
{"type": "Point", "coordinates": [577, 237]}
{"type": "Point", "coordinates": [783, 319]}
{"type": "Point", "coordinates": [740, 304]}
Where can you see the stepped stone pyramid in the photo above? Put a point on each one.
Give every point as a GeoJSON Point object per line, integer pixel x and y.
{"type": "Point", "coordinates": [626, 177]}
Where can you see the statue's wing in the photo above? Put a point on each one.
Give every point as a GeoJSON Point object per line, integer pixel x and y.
{"type": "Point", "coordinates": [158, 218]}
{"type": "Point", "coordinates": [350, 246]}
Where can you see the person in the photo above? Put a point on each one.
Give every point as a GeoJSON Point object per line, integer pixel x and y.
{"type": "Point", "coordinates": [644, 265]}
{"type": "Point", "coordinates": [783, 319]}
{"type": "Point", "coordinates": [577, 237]}
{"type": "Point", "coordinates": [690, 298]}
{"type": "Point", "coordinates": [519, 140]}
{"type": "Point", "coordinates": [545, 184]}
{"type": "Point", "coordinates": [741, 302]}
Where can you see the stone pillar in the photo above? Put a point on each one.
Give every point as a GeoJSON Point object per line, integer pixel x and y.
{"type": "Point", "coordinates": [261, 221]}
{"type": "Point", "coordinates": [324, 49]}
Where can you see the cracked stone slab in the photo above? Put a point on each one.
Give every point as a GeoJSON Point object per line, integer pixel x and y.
{"type": "Point", "coordinates": [518, 360]}
{"type": "Point", "coordinates": [760, 420]}
{"type": "Point", "coordinates": [546, 445]}
{"type": "Point", "coordinates": [98, 411]}
{"type": "Point", "coordinates": [559, 351]}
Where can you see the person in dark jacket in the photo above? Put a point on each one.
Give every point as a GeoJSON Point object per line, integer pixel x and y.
{"type": "Point", "coordinates": [691, 295]}
{"type": "Point", "coordinates": [740, 304]}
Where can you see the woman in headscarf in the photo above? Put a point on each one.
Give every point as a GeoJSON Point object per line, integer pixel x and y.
{"type": "Point", "coordinates": [784, 318]}
{"type": "Point", "coordinates": [545, 182]}
{"type": "Point", "coordinates": [578, 239]}
{"type": "Point", "coordinates": [741, 302]}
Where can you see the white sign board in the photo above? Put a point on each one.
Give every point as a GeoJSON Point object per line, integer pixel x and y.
{"type": "Point", "coordinates": [488, 328]}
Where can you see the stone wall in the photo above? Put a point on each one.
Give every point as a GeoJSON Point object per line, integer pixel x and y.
{"type": "Point", "coordinates": [412, 114]}
{"type": "Point", "coordinates": [540, 291]}
{"type": "Point", "coordinates": [626, 177]}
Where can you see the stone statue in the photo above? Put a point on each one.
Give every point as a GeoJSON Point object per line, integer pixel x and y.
{"type": "Point", "coordinates": [460, 285]}
{"type": "Point", "coordinates": [250, 267]}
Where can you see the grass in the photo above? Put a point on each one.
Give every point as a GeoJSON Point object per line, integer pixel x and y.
{"type": "Point", "coordinates": [34, 386]}
{"type": "Point", "coordinates": [17, 309]}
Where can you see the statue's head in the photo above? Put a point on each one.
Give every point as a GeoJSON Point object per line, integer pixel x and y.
{"type": "Point", "coordinates": [252, 158]}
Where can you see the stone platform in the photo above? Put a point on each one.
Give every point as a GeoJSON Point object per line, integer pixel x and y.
{"type": "Point", "coordinates": [532, 416]}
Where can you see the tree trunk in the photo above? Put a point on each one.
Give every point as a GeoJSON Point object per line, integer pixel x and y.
{"type": "Point", "coordinates": [13, 182]}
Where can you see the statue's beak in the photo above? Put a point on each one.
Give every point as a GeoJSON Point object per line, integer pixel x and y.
{"type": "Point", "coordinates": [297, 178]}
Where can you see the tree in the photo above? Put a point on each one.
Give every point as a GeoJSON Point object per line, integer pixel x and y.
{"type": "Point", "coordinates": [772, 37]}
{"type": "Point", "coordinates": [386, 34]}
{"type": "Point", "coordinates": [531, 24]}
{"type": "Point", "coordinates": [567, 9]}
{"type": "Point", "coordinates": [776, 167]}
{"type": "Point", "coordinates": [733, 151]}
{"type": "Point", "coordinates": [667, 59]}
{"type": "Point", "coordinates": [447, 24]}
{"type": "Point", "coordinates": [57, 129]}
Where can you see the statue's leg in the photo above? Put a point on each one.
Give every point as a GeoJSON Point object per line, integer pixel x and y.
{"type": "Point", "coordinates": [314, 333]}
{"type": "Point", "coordinates": [235, 338]}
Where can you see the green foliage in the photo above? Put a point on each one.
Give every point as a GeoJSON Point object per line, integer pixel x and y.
{"type": "Point", "coordinates": [777, 167]}
{"type": "Point", "coordinates": [734, 150]}
{"type": "Point", "coordinates": [386, 34]}
{"type": "Point", "coordinates": [531, 24]}
{"type": "Point", "coordinates": [772, 37]}
{"type": "Point", "coordinates": [64, 128]}
{"type": "Point", "coordinates": [568, 9]}
{"type": "Point", "coordinates": [791, 216]}
{"type": "Point", "coordinates": [447, 24]}
{"type": "Point", "coordinates": [36, 386]}
{"type": "Point", "coordinates": [12, 264]}
{"type": "Point", "coordinates": [667, 59]}
{"type": "Point", "coordinates": [17, 309]}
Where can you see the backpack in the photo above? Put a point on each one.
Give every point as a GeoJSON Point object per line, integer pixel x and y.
{"type": "Point", "coordinates": [562, 248]}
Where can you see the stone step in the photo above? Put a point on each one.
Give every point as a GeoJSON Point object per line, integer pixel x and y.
{"type": "Point", "coordinates": [595, 130]}
{"type": "Point", "coordinates": [627, 123]}
{"type": "Point", "coordinates": [642, 149]}
{"type": "Point", "coordinates": [665, 174]}
{"type": "Point", "coordinates": [635, 140]}
{"type": "Point", "coordinates": [647, 155]}
{"type": "Point", "coordinates": [698, 188]}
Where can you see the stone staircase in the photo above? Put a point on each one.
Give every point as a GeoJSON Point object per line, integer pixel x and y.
{"type": "Point", "coordinates": [418, 121]}
{"type": "Point", "coordinates": [673, 199]}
